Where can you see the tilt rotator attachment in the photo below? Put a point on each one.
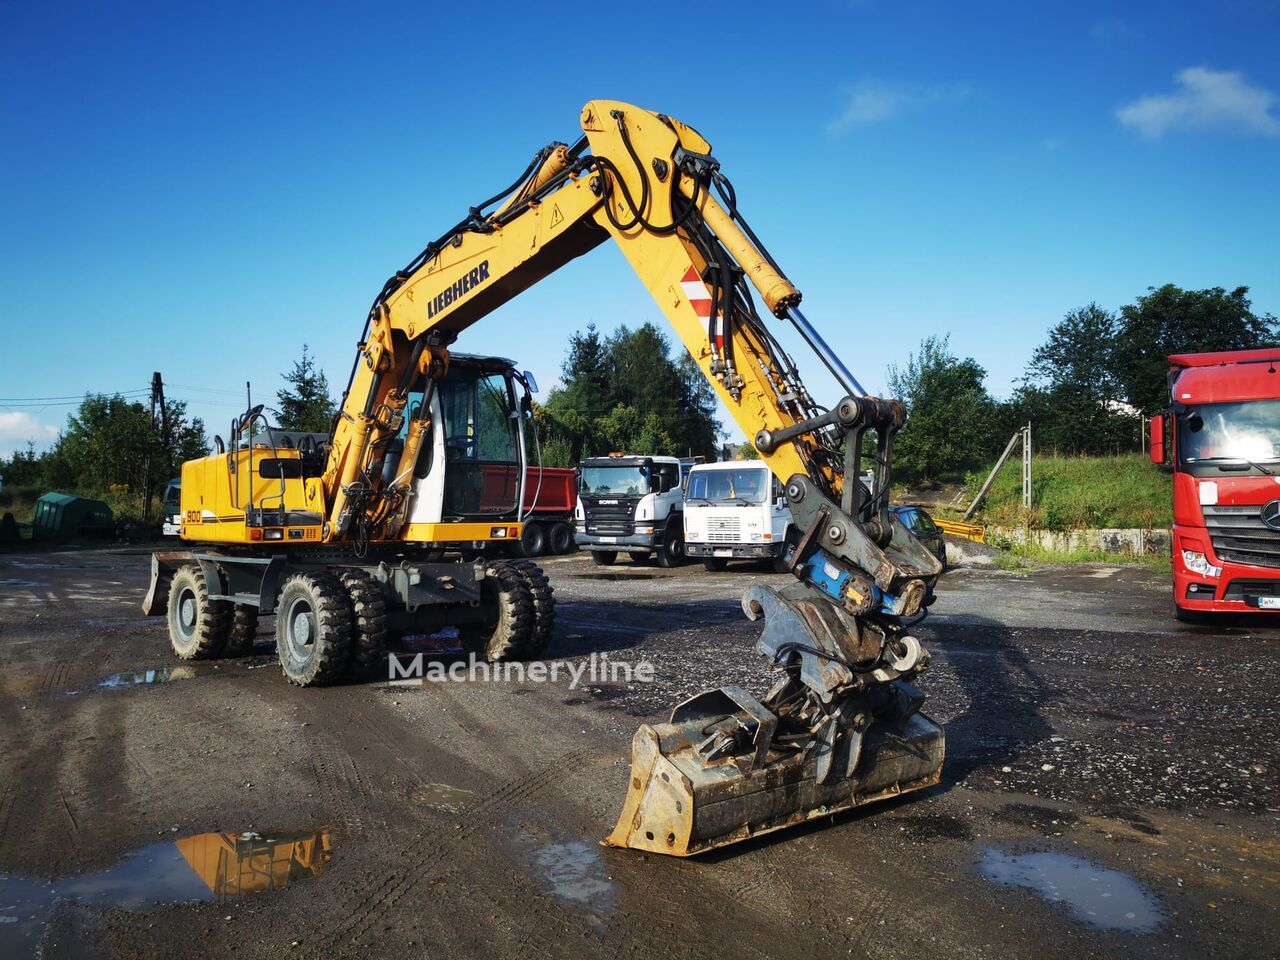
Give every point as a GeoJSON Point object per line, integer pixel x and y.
{"type": "Point", "coordinates": [842, 725]}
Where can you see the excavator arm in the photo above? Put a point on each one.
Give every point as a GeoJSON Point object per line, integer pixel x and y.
{"type": "Point", "coordinates": [842, 726]}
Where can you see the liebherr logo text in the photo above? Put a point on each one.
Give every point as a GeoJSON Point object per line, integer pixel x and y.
{"type": "Point", "coordinates": [460, 288]}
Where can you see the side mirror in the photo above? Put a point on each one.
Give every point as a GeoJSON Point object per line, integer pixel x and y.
{"type": "Point", "coordinates": [1157, 439]}
{"type": "Point", "coordinates": [530, 381]}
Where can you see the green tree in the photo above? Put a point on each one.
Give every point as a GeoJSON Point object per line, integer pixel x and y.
{"type": "Point", "coordinates": [951, 417]}
{"type": "Point", "coordinates": [747, 451]}
{"type": "Point", "coordinates": [305, 404]}
{"type": "Point", "coordinates": [1170, 320]}
{"type": "Point", "coordinates": [1071, 392]}
{"type": "Point", "coordinates": [625, 392]}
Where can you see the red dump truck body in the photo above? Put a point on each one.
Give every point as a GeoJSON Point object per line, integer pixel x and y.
{"type": "Point", "coordinates": [550, 494]}
{"type": "Point", "coordinates": [1221, 438]}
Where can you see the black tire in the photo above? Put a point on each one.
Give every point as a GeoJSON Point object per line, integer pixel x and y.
{"type": "Point", "coordinates": [604, 558]}
{"type": "Point", "coordinates": [714, 564]}
{"type": "Point", "coordinates": [638, 556]}
{"type": "Point", "coordinates": [507, 630]}
{"type": "Point", "coordinates": [313, 629]}
{"type": "Point", "coordinates": [561, 538]}
{"type": "Point", "coordinates": [533, 540]}
{"type": "Point", "coordinates": [544, 606]}
{"type": "Point", "coordinates": [244, 627]}
{"type": "Point", "coordinates": [1188, 616]}
{"type": "Point", "coordinates": [198, 626]}
{"type": "Point", "coordinates": [368, 621]}
{"type": "Point", "coordinates": [670, 552]}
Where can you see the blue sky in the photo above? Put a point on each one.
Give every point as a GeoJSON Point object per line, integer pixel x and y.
{"type": "Point", "coordinates": [199, 190]}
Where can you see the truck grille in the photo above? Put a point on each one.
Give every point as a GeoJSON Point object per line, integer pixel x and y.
{"type": "Point", "coordinates": [610, 519]}
{"type": "Point", "coordinates": [1238, 535]}
{"type": "Point", "coordinates": [724, 529]}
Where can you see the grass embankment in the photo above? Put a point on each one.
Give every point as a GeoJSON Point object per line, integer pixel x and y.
{"type": "Point", "coordinates": [1079, 493]}
{"type": "Point", "coordinates": [1073, 493]}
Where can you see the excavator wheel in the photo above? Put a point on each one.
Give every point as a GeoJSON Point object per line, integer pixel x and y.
{"type": "Point", "coordinates": [313, 629]}
{"type": "Point", "coordinates": [369, 621]}
{"type": "Point", "coordinates": [198, 626]}
{"type": "Point", "coordinates": [244, 627]}
{"type": "Point", "coordinates": [507, 630]}
{"type": "Point", "coordinates": [544, 606]}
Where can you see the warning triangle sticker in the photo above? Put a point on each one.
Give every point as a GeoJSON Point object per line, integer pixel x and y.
{"type": "Point", "coordinates": [556, 215]}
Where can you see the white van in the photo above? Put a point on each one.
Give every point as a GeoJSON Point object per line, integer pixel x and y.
{"type": "Point", "coordinates": [736, 510]}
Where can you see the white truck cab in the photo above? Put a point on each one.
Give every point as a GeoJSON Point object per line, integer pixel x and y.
{"type": "Point", "coordinates": [736, 510]}
{"type": "Point", "coordinates": [631, 504]}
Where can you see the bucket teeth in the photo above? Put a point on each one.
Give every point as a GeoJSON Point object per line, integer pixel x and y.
{"type": "Point", "coordinates": [727, 766]}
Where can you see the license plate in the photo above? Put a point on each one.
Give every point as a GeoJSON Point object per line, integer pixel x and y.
{"type": "Point", "coordinates": [722, 553]}
{"type": "Point", "coordinates": [608, 539]}
{"type": "Point", "coordinates": [1269, 603]}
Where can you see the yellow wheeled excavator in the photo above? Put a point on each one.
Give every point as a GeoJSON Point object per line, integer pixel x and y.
{"type": "Point", "coordinates": [364, 533]}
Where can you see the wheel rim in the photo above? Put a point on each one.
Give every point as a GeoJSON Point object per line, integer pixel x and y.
{"type": "Point", "coordinates": [300, 630]}
{"type": "Point", "coordinates": [188, 610]}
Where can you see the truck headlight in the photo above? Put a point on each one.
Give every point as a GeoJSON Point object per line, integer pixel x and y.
{"type": "Point", "coordinates": [644, 531]}
{"type": "Point", "coordinates": [1197, 562]}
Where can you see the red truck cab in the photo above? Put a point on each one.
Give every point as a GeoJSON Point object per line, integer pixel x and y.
{"type": "Point", "coordinates": [1221, 438]}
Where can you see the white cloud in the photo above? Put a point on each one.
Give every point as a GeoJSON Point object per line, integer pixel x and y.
{"type": "Point", "coordinates": [16, 428]}
{"type": "Point", "coordinates": [1205, 100]}
{"type": "Point", "coordinates": [871, 101]}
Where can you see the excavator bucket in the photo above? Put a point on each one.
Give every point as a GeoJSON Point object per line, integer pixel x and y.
{"type": "Point", "coordinates": [728, 766]}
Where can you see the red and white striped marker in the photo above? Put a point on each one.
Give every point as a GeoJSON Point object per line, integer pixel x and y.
{"type": "Point", "coordinates": [700, 299]}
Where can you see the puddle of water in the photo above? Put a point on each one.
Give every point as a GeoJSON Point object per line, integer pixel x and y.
{"type": "Point", "coordinates": [574, 873]}
{"type": "Point", "coordinates": [1091, 893]}
{"type": "Point", "coordinates": [28, 584]}
{"type": "Point", "coordinates": [445, 640]}
{"type": "Point", "coordinates": [617, 576]}
{"type": "Point", "coordinates": [207, 866]}
{"type": "Point", "coordinates": [32, 565]}
{"type": "Point", "coordinates": [443, 796]}
{"type": "Point", "coordinates": [120, 681]}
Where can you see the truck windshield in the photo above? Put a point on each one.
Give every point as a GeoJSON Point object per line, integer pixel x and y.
{"type": "Point", "coordinates": [748, 485]}
{"type": "Point", "coordinates": [623, 480]}
{"type": "Point", "coordinates": [1245, 432]}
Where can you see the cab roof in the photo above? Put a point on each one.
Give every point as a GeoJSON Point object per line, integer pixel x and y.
{"type": "Point", "coordinates": [729, 465]}
{"type": "Point", "coordinates": [1225, 376]}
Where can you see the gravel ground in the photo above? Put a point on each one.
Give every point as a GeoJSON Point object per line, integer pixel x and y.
{"type": "Point", "coordinates": [1087, 734]}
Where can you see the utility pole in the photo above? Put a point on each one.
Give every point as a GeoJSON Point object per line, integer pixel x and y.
{"type": "Point", "coordinates": [157, 404]}
{"type": "Point", "coordinates": [1026, 466]}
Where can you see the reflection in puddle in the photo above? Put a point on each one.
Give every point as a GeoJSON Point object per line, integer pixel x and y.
{"type": "Point", "coordinates": [1093, 894]}
{"type": "Point", "coordinates": [443, 796]}
{"type": "Point", "coordinates": [444, 640]}
{"type": "Point", "coordinates": [118, 681]}
{"type": "Point", "coordinates": [208, 866]}
{"type": "Point", "coordinates": [574, 873]}
{"type": "Point", "coordinates": [617, 576]}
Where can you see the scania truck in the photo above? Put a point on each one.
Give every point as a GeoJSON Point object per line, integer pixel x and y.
{"type": "Point", "coordinates": [1221, 439]}
{"type": "Point", "coordinates": [632, 504]}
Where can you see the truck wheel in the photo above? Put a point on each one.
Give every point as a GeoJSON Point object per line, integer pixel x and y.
{"type": "Point", "coordinates": [313, 629]}
{"type": "Point", "coordinates": [368, 621]}
{"type": "Point", "coordinates": [714, 564]}
{"type": "Point", "coordinates": [671, 551]}
{"type": "Point", "coordinates": [561, 537]}
{"type": "Point", "coordinates": [544, 606]}
{"type": "Point", "coordinates": [508, 624]}
{"type": "Point", "coordinates": [604, 558]}
{"type": "Point", "coordinates": [533, 539]}
{"type": "Point", "coordinates": [244, 627]}
{"type": "Point", "coordinates": [1187, 616]}
{"type": "Point", "coordinates": [638, 556]}
{"type": "Point", "coordinates": [198, 626]}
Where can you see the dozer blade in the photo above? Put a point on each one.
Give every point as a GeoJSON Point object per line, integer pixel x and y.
{"type": "Point", "coordinates": [727, 766]}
